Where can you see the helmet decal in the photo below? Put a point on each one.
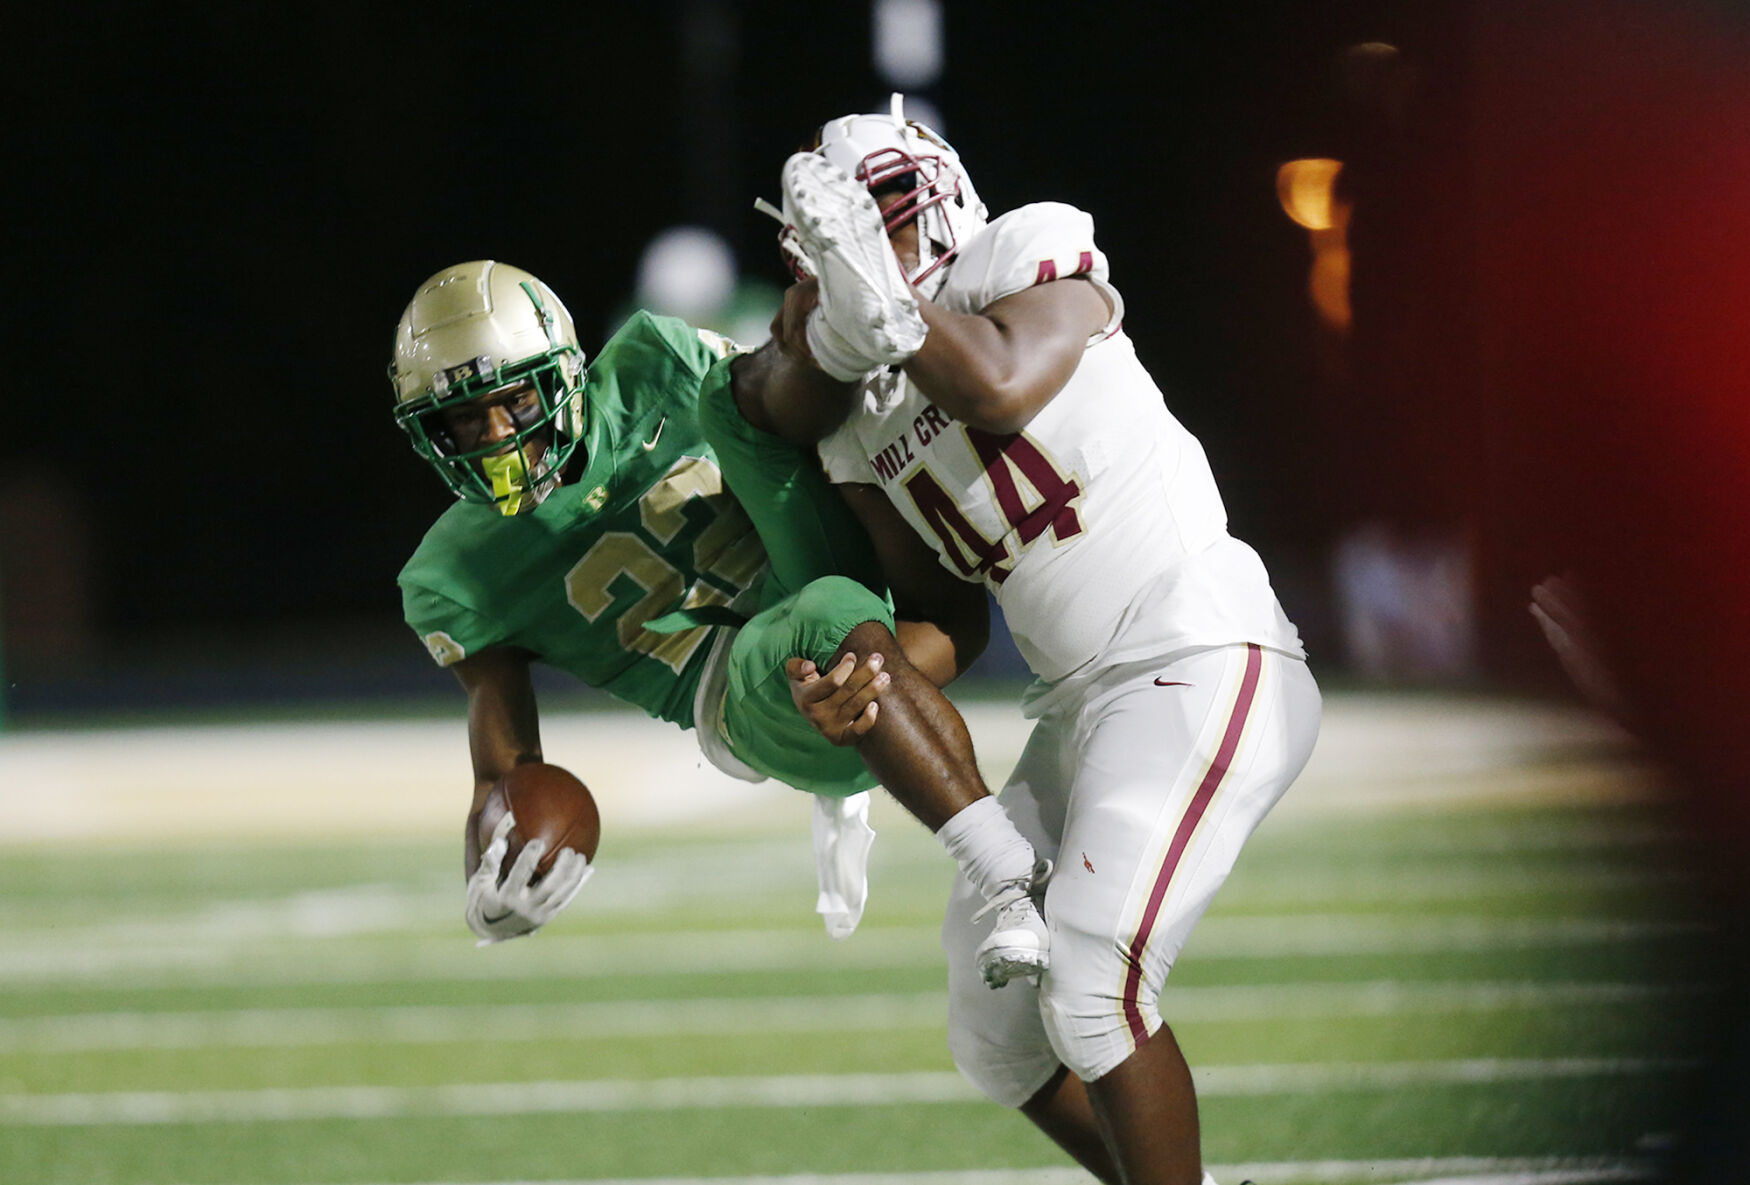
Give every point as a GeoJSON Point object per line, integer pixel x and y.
{"type": "Point", "coordinates": [540, 310]}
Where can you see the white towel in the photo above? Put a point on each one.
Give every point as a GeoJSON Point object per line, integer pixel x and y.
{"type": "Point", "coordinates": [842, 838]}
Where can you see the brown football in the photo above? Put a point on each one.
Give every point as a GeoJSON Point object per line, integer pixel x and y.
{"type": "Point", "coordinates": [548, 802]}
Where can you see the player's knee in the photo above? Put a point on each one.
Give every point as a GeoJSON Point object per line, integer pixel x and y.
{"type": "Point", "coordinates": [843, 614]}
{"type": "Point", "coordinates": [1094, 1027]}
{"type": "Point", "coordinates": [842, 598]}
{"type": "Point", "coordinates": [995, 1038]}
{"type": "Point", "coordinates": [870, 637]}
{"type": "Point", "coordinates": [1005, 1073]}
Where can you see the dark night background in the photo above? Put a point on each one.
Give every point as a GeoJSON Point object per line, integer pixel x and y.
{"type": "Point", "coordinates": [230, 207]}
{"type": "Point", "coordinates": [203, 499]}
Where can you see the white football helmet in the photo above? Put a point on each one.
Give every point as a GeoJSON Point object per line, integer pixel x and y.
{"type": "Point", "coordinates": [888, 152]}
{"type": "Point", "coordinates": [473, 330]}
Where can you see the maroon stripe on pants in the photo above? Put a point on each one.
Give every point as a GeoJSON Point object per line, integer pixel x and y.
{"type": "Point", "coordinates": [1230, 741]}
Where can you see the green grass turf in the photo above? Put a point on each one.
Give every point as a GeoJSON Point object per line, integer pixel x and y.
{"type": "Point", "coordinates": [1547, 1119]}
{"type": "Point", "coordinates": [1425, 897]}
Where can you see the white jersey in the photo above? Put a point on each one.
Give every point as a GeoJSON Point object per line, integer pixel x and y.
{"type": "Point", "coordinates": [1098, 528]}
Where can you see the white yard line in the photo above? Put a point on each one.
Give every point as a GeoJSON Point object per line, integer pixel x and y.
{"type": "Point", "coordinates": [124, 1108]}
{"type": "Point", "coordinates": [108, 957]}
{"type": "Point", "coordinates": [1317, 935]}
{"type": "Point", "coordinates": [1550, 1170]}
{"type": "Point", "coordinates": [215, 962]}
{"type": "Point", "coordinates": [1321, 1077]}
{"type": "Point", "coordinates": [629, 895]}
{"type": "Point", "coordinates": [437, 1024]}
{"type": "Point", "coordinates": [1550, 1177]}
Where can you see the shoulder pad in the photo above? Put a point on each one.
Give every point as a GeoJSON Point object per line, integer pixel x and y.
{"type": "Point", "coordinates": [1030, 245]}
{"type": "Point", "coordinates": [697, 348]}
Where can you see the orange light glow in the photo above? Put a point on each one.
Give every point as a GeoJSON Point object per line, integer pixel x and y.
{"type": "Point", "coordinates": [1328, 286]}
{"type": "Point", "coordinates": [1305, 189]}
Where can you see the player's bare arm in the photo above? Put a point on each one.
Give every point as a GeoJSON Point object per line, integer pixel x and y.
{"type": "Point", "coordinates": [786, 395]}
{"type": "Point", "coordinates": [503, 726]}
{"type": "Point", "coordinates": [790, 325]}
{"type": "Point", "coordinates": [503, 732]}
{"type": "Point", "coordinates": [943, 625]}
{"type": "Point", "coordinates": [995, 369]}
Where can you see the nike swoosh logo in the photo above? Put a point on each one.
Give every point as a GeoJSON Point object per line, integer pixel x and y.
{"type": "Point", "coordinates": [1170, 683]}
{"type": "Point", "coordinates": [651, 443]}
{"type": "Point", "coordinates": [501, 917]}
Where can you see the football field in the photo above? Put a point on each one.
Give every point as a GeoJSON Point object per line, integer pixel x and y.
{"type": "Point", "coordinates": [1462, 950]}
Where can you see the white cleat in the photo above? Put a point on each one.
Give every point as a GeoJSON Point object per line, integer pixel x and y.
{"type": "Point", "coordinates": [1020, 946]}
{"type": "Point", "coordinates": [868, 313]}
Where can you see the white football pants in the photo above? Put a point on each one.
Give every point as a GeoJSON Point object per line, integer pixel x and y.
{"type": "Point", "coordinates": [1142, 791]}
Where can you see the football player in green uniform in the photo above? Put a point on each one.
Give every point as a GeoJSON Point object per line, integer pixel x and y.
{"type": "Point", "coordinates": [595, 531]}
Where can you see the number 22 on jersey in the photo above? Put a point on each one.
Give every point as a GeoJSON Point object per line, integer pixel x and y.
{"type": "Point", "coordinates": [726, 550]}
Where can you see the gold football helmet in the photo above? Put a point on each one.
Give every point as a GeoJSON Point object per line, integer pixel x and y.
{"type": "Point", "coordinates": [476, 330]}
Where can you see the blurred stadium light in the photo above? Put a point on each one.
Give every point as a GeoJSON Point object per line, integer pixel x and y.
{"type": "Point", "coordinates": [906, 46]}
{"type": "Point", "coordinates": [690, 272]}
{"type": "Point", "coordinates": [908, 42]}
{"type": "Point", "coordinates": [686, 271]}
{"type": "Point", "coordinates": [1307, 191]}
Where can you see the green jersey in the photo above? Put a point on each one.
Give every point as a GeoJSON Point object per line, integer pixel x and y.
{"type": "Point", "coordinates": [644, 529]}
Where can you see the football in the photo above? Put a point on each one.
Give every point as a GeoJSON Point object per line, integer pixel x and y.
{"type": "Point", "coordinates": [548, 802]}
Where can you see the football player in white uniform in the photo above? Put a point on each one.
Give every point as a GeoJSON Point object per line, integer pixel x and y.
{"type": "Point", "coordinates": [1008, 439]}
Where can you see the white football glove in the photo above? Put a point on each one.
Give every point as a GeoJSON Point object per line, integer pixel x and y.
{"type": "Point", "coordinates": [832, 353]}
{"type": "Point", "coordinates": [499, 911]}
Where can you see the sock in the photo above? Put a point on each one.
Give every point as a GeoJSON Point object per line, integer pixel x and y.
{"type": "Point", "coordinates": [983, 841]}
